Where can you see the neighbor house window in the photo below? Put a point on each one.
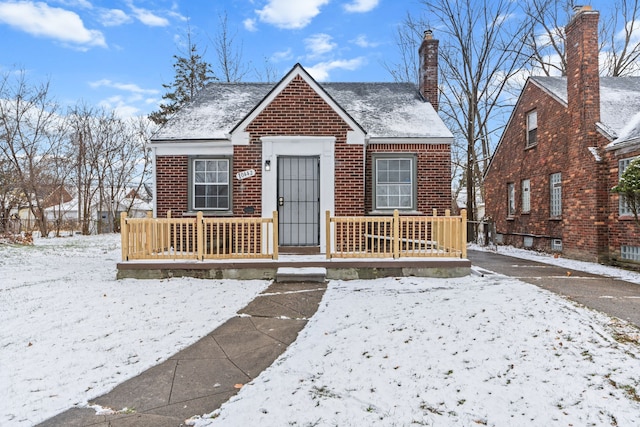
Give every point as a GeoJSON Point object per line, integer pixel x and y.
{"type": "Point", "coordinates": [210, 184]}
{"type": "Point", "coordinates": [511, 199]}
{"type": "Point", "coordinates": [395, 182]}
{"type": "Point", "coordinates": [526, 196]}
{"type": "Point", "coordinates": [555, 192]}
{"type": "Point", "coordinates": [623, 208]}
{"type": "Point", "coordinates": [631, 253]}
{"type": "Point", "coordinates": [532, 128]}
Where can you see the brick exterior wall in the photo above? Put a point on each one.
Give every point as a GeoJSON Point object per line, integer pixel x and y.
{"type": "Point", "coordinates": [171, 185]}
{"type": "Point", "coordinates": [622, 230]}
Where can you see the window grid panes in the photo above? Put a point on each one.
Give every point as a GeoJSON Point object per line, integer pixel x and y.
{"type": "Point", "coordinates": [631, 253]}
{"type": "Point", "coordinates": [511, 199]}
{"type": "Point", "coordinates": [526, 196]}
{"type": "Point", "coordinates": [211, 184]}
{"type": "Point", "coordinates": [623, 208]}
{"type": "Point", "coordinates": [555, 189]}
{"type": "Point", "coordinates": [394, 183]}
{"type": "Point", "coordinates": [532, 128]}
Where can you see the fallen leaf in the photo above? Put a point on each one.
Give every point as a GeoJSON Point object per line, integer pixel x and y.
{"type": "Point", "coordinates": [238, 386]}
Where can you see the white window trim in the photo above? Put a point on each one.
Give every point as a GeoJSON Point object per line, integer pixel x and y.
{"type": "Point", "coordinates": [555, 195]}
{"type": "Point", "coordinates": [526, 196]}
{"type": "Point", "coordinates": [623, 208]}
{"type": "Point", "coordinates": [532, 124]}
{"type": "Point", "coordinates": [511, 199]}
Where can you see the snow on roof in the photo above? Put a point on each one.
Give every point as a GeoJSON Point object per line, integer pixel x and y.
{"type": "Point", "coordinates": [383, 110]}
{"type": "Point", "coordinates": [619, 103]}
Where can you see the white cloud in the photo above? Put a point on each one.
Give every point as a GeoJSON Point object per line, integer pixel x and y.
{"type": "Point", "coordinates": [290, 14]}
{"type": "Point", "coordinates": [321, 70]}
{"type": "Point", "coordinates": [361, 6]}
{"type": "Point", "coordinates": [128, 87]}
{"type": "Point", "coordinates": [250, 24]}
{"type": "Point", "coordinates": [114, 17]}
{"type": "Point", "coordinates": [318, 45]}
{"type": "Point", "coordinates": [284, 55]}
{"type": "Point", "coordinates": [120, 106]}
{"type": "Point", "coordinates": [147, 17]}
{"type": "Point", "coordinates": [84, 4]}
{"type": "Point", "coordinates": [41, 20]}
{"type": "Point", "coordinates": [362, 41]}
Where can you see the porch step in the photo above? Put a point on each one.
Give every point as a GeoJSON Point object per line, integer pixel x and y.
{"type": "Point", "coordinates": [303, 274]}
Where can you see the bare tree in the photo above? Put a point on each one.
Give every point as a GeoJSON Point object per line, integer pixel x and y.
{"type": "Point", "coordinates": [621, 39]}
{"type": "Point", "coordinates": [34, 141]}
{"type": "Point", "coordinates": [229, 64]}
{"type": "Point", "coordinates": [481, 50]}
{"type": "Point", "coordinates": [619, 36]}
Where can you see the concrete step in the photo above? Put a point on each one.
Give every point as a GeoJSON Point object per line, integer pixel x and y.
{"type": "Point", "coordinates": [303, 274]}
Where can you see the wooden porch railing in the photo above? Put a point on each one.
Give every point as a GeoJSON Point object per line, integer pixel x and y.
{"type": "Point", "coordinates": [397, 236]}
{"type": "Point", "coordinates": [199, 238]}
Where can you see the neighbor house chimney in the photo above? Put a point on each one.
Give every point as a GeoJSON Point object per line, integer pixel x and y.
{"type": "Point", "coordinates": [429, 69]}
{"type": "Point", "coordinates": [583, 78]}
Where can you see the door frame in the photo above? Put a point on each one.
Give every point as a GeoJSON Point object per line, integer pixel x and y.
{"type": "Point", "coordinates": [320, 146]}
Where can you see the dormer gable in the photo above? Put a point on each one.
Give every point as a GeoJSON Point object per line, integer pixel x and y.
{"type": "Point", "coordinates": [240, 136]}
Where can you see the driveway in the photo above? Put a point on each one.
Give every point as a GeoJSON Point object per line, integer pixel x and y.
{"type": "Point", "coordinates": [611, 296]}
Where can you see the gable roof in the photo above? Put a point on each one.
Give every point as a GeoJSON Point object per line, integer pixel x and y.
{"type": "Point", "coordinates": [619, 104]}
{"type": "Point", "coordinates": [381, 110]}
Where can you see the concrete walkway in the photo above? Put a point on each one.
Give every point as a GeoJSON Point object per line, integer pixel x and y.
{"type": "Point", "coordinates": [611, 296]}
{"type": "Point", "coordinates": [200, 378]}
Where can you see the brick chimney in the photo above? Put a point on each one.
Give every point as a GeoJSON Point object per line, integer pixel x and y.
{"type": "Point", "coordinates": [583, 79]}
{"type": "Point", "coordinates": [429, 69]}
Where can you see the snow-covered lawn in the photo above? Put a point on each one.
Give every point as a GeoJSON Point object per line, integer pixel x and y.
{"type": "Point", "coordinates": [69, 331]}
{"type": "Point", "coordinates": [393, 352]}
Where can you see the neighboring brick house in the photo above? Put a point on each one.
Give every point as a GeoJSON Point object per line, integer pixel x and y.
{"type": "Point", "coordinates": [301, 148]}
{"type": "Point", "coordinates": [548, 185]}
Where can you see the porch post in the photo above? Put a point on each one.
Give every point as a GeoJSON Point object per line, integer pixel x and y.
{"type": "Point", "coordinates": [327, 216]}
{"type": "Point", "coordinates": [274, 224]}
{"type": "Point", "coordinates": [396, 234]}
{"type": "Point", "coordinates": [124, 236]}
{"type": "Point", "coordinates": [463, 241]}
{"type": "Point", "coordinates": [199, 236]}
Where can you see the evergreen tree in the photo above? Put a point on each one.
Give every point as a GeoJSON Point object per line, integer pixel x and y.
{"type": "Point", "coordinates": [629, 187]}
{"type": "Point", "coordinates": [192, 74]}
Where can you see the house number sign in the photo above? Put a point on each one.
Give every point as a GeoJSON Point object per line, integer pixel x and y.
{"type": "Point", "coordinates": [246, 174]}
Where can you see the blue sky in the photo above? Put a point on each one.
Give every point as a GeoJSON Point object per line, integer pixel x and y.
{"type": "Point", "coordinates": [118, 53]}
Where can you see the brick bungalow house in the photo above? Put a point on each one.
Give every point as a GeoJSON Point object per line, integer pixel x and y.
{"type": "Point", "coordinates": [548, 185]}
{"type": "Point", "coordinates": [301, 148]}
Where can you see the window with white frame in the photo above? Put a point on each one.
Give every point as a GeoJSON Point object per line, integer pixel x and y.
{"type": "Point", "coordinates": [511, 199]}
{"type": "Point", "coordinates": [555, 195]}
{"type": "Point", "coordinates": [623, 208]}
{"type": "Point", "coordinates": [395, 182]}
{"type": "Point", "coordinates": [526, 195]}
{"type": "Point", "coordinates": [532, 128]}
{"type": "Point", "coordinates": [210, 189]}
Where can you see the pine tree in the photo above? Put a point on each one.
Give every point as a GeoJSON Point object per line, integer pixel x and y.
{"type": "Point", "coordinates": [629, 187]}
{"type": "Point", "coordinates": [192, 74]}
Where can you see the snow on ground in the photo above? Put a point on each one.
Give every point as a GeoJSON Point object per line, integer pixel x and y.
{"type": "Point", "coordinates": [449, 352]}
{"type": "Point", "coordinates": [390, 352]}
{"type": "Point", "coordinates": [69, 331]}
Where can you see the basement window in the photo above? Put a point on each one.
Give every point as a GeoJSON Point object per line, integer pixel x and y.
{"type": "Point", "coordinates": [630, 253]}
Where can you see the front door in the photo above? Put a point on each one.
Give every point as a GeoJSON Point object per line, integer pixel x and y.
{"type": "Point", "coordinates": [298, 201]}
